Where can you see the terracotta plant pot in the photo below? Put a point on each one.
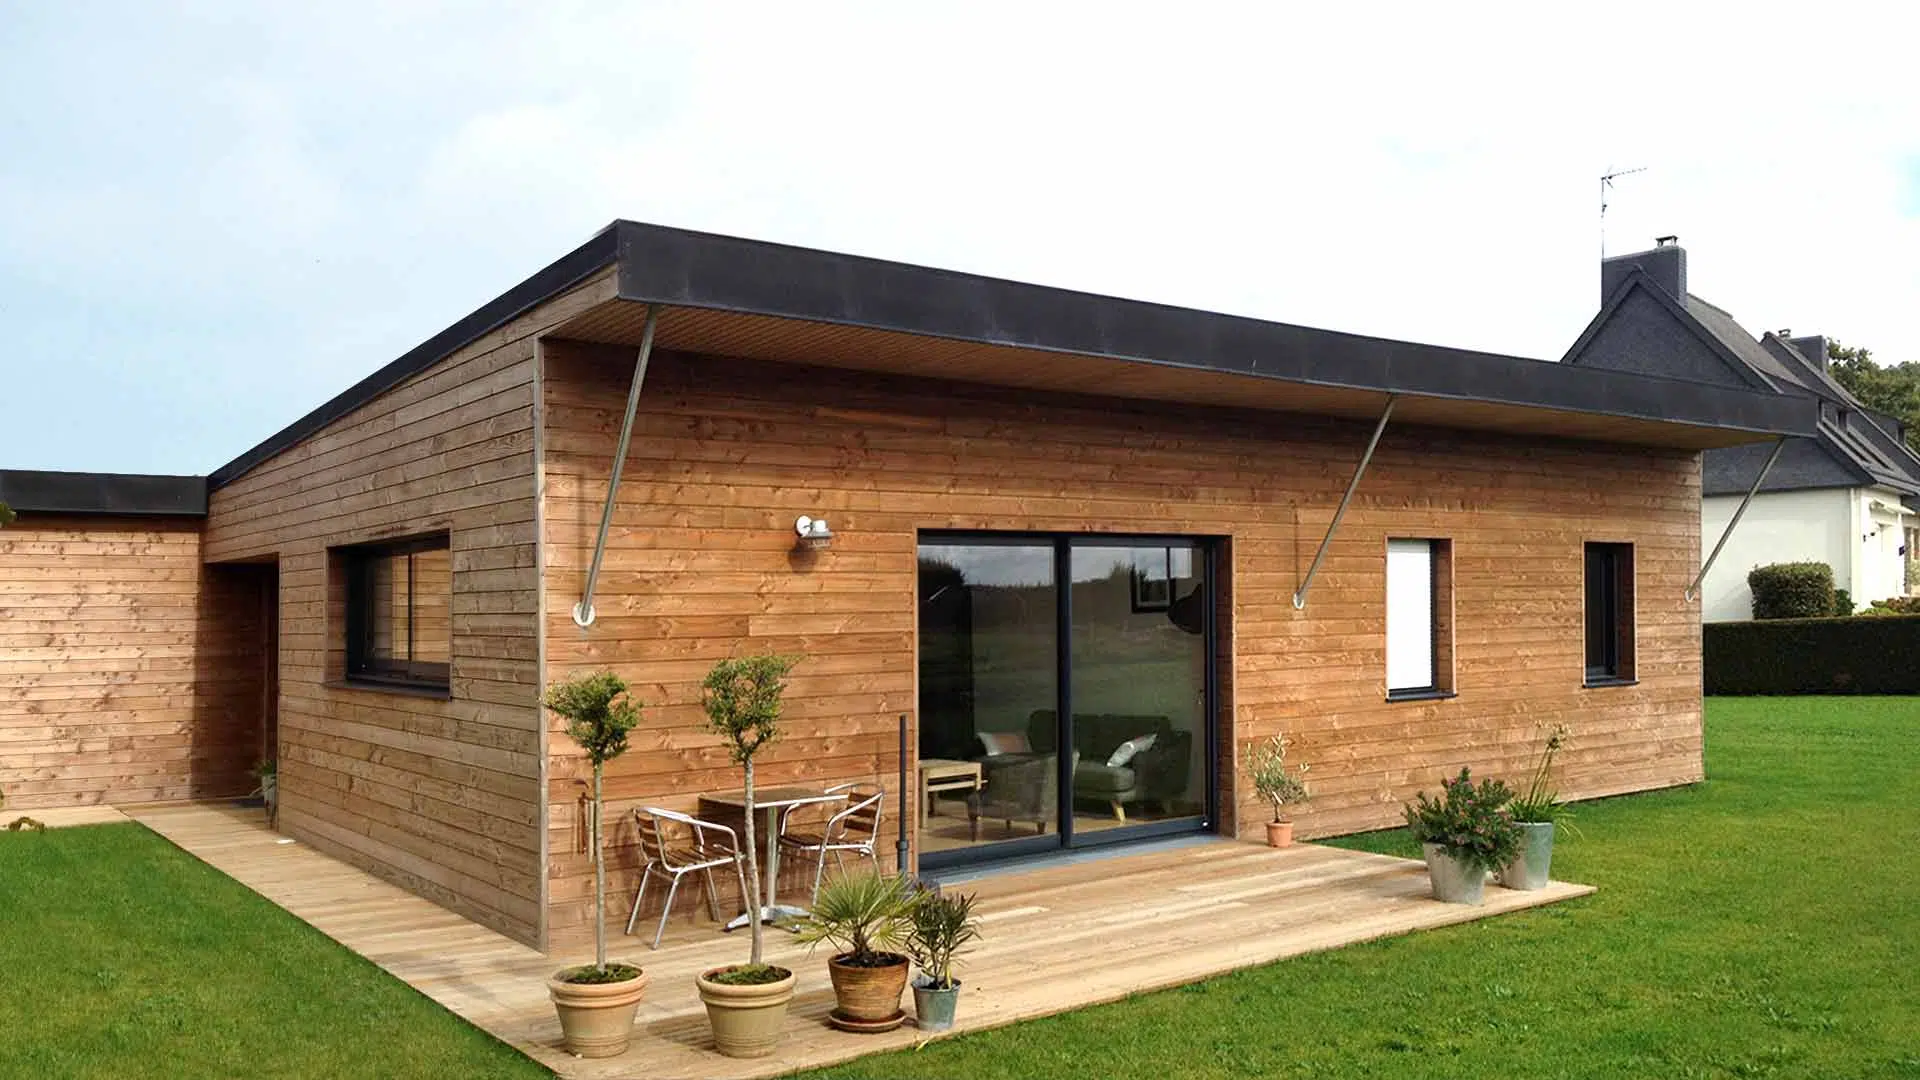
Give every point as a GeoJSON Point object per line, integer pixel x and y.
{"type": "Point", "coordinates": [1455, 881]}
{"type": "Point", "coordinates": [1530, 868]}
{"type": "Point", "coordinates": [747, 1020]}
{"type": "Point", "coordinates": [1279, 834]}
{"type": "Point", "coordinates": [869, 994]}
{"type": "Point", "coordinates": [597, 1018]}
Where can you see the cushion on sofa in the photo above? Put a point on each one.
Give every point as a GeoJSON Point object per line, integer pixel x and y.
{"type": "Point", "coordinates": [1125, 751]}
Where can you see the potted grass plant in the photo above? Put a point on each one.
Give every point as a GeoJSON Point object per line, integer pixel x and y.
{"type": "Point", "coordinates": [747, 1003]}
{"type": "Point", "coordinates": [867, 916]}
{"type": "Point", "coordinates": [597, 1001]}
{"type": "Point", "coordinates": [267, 777]}
{"type": "Point", "coordinates": [1275, 785]}
{"type": "Point", "coordinates": [942, 925]}
{"type": "Point", "coordinates": [1538, 812]}
{"type": "Point", "coordinates": [1465, 834]}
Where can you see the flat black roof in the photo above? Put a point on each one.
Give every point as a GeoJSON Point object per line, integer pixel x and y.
{"type": "Point", "coordinates": [103, 493]}
{"type": "Point", "coordinates": [680, 267]}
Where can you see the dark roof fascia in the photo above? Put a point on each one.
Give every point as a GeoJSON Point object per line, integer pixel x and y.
{"type": "Point", "coordinates": [121, 494]}
{"type": "Point", "coordinates": [1637, 279]}
{"type": "Point", "coordinates": [678, 267]}
{"type": "Point", "coordinates": [559, 276]}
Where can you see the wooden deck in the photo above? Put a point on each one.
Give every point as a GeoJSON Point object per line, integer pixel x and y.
{"type": "Point", "coordinates": [1184, 914]}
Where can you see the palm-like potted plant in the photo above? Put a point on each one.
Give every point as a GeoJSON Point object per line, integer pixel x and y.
{"type": "Point", "coordinates": [1537, 811]}
{"type": "Point", "coordinates": [943, 924]}
{"type": "Point", "coordinates": [747, 1003]}
{"type": "Point", "coordinates": [867, 916]}
{"type": "Point", "coordinates": [1275, 785]}
{"type": "Point", "coordinates": [1465, 834]}
{"type": "Point", "coordinates": [597, 1001]}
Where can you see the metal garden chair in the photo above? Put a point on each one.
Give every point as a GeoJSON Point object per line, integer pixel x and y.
{"type": "Point", "coordinates": [704, 846]}
{"type": "Point", "coordinates": [852, 830]}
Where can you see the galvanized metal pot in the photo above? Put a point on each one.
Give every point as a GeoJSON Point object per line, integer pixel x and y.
{"type": "Point", "coordinates": [933, 1009]}
{"type": "Point", "coordinates": [1455, 881]}
{"type": "Point", "coordinates": [1530, 868]}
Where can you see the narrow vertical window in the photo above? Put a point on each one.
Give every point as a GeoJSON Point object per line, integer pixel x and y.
{"type": "Point", "coordinates": [1419, 618]}
{"type": "Point", "coordinates": [1609, 606]}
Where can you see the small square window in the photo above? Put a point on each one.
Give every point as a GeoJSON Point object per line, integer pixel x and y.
{"type": "Point", "coordinates": [399, 606]}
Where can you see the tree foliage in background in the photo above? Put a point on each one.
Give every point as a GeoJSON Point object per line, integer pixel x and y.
{"type": "Point", "coordinates": [6, 515]}
{"type": "Point", "coordinates": [1891, 390]}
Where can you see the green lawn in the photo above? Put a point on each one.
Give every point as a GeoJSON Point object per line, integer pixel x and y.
{"type": "Point", "coordinates": [1766, 923]}
{"type": "Point", "coordinates": [122, 956]}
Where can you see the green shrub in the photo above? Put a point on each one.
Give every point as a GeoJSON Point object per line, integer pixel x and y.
{"type": "Point", "coordinates": [1813, 656]}
{"type": "Point", "coordinates": [1894, 605]}
{"type": "Point", "coordinates": [1842, 602]}
{"type": "Point", "coordinates": [1471, 823]}
{"type": "Point", "coordinates": [1802, 590]}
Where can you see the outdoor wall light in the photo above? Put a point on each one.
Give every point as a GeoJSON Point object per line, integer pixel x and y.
{"type": "Point", "coordinates": [814, 533]}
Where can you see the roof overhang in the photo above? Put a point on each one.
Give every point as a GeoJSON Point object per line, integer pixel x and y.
{"type": "Point", "coordinates": [727, 295]}
{"type": "Point", "coordinates": [122, 494]}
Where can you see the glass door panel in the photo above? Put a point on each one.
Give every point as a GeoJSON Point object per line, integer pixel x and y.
{"type": "Point", "coordinates": [989, 687]}
{"type": "Point", "coordinates": [1139, 691]}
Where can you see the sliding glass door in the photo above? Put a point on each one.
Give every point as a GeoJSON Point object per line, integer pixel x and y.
{"type": "Point", "coordinates": [1056, 716]}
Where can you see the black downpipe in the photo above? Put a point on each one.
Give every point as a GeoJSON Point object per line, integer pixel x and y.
{"type": "Point", "coordinates": [1063, 665]}
{"type": "Point", "coordinates": [901, 847]}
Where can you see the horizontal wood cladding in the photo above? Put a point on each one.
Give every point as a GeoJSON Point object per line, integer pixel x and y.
{"type": "Point", "coordinates": [439, 794]}
{"type": "Point", "coordinates": [726, 453]}
{"type": "Point", "coordinates": [129, 672]}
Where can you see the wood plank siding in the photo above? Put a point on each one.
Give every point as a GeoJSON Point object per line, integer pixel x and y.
{"type": "Point", "coordinates": [726, 453]}
{"type": "Point", "coordinates": [440, 794]}
{"type": "Point", "coordinates": [128, 671]}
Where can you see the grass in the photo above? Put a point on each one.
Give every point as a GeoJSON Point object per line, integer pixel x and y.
{"type": "Point", "coordinates": [120, 955]}
{"type": "Point", "coordinates": [1763, 924]}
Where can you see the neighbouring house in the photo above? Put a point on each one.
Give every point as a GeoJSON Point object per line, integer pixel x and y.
{"type": "Point", "coordinates": [1847, 495]}
{"type": "Point", "coordinates": [1087, 550]}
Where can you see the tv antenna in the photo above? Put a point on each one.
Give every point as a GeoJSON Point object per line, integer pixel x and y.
{"type": "Point", "coordinates": [1606, 185]}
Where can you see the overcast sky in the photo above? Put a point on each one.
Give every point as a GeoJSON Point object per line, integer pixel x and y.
{"type": "Point", "coordinates": [215, 216]}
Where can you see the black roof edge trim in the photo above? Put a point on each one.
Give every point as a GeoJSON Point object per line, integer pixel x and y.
{"type": "Point", "coordinates": [679, 267]}
{"type": "Point", "coordinates": [123, 494]}
{"type": "Point", "coordinates": [562, 274]}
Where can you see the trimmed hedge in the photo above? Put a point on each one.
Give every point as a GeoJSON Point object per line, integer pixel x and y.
{"type": "Point", "coordinates": [1792, 590]}
{"type": "Point", "coordinates": [1813, 656]}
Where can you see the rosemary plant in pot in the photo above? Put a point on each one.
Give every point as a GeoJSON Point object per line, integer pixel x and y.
{"type": "Point", "coordinates": [1274, 784]}
{"type": "Point", "coordinates": [596, 1001]}
{"type": "Point", "coordinates": [747, 1003]}
{"type": "Point", "coordinates": [1537, 811]}
{"type": "Point", "coordinates": [1465, 834]}
{"type": "Point", "coordinates": [943, 924]}
{"type": "Point", "coordinates": [867, 916]}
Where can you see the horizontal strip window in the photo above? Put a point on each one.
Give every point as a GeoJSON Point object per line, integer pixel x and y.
{"type": "Point", "coordinates": [399, 605]}
{"type": "Point", "coordinates": [1419, 619]}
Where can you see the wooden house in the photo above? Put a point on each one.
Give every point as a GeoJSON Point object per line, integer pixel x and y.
{"type": "Point", "coordinates": [1088, 551]}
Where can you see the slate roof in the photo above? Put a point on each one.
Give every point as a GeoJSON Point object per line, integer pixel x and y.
{"type": "Point", "coordinates": [1855, 446]}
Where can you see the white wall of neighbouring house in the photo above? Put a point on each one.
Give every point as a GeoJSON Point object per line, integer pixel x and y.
{"type": "Point", "coordinates": [1881, 571]}
{"type": "Point", "coordinates": [1784, 526]}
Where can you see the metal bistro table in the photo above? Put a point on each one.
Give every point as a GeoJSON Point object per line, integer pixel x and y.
{"type": "Point", "coordinates": [772, 801]}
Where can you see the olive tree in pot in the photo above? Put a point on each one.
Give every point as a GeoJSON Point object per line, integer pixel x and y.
{"type": "Point", "coordinates": [1538, 812]}
{"type": "Point", "coordinates": [747, 1003]}
{"type": "Point", "coordinates": [1275, 785]}
{"type": "Point", "coordinates": [1465, 834]}
{"type": "Point", "coordinates": [866, 915]}
{"type": "Point", "coordinates": [597, 1001]}
{"type": "Point", "coordinates": [943, 924]}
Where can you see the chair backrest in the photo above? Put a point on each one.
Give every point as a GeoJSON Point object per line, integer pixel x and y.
{"type": "Point", "coordinates": [651, 822]}
{"type": "Point", "coordinates": [658, 829]}
{"type": "Point", "coordinates": [860, 821]}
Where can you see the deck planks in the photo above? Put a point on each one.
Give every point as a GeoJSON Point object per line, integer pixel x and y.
{"type": "Point", "coordinates": [1186, 914]}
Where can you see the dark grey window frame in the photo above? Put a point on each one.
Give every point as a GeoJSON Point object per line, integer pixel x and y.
{"type": "Point", "coordinates": [1607, 625]}
{"type": "Point", "coordinates": [364, 669]}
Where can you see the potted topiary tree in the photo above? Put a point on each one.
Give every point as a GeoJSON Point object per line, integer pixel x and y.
{"type": "Point", "coordinates": [867, 916]}
{"type": "Point", "coordinates": [943, 924]}
{"type": "Point", "coordinates": [1465, 834]}
{"type": "Point", "coordinates": [1538, 811]}
{"type": "Point", "coordinates": [597, 1001]}
{"type": "Point", "coordinates": [1274, 784]}
{"type": "Point", "coordinates": [747, 1003]}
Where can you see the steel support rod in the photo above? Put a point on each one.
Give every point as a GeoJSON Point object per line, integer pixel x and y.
{"type": "Point", "coordinates": [1779, 444]}
{"type": "Point", "coordinates": [583, 611]}
{"type": "Point", "coordinates": [1300, 594]}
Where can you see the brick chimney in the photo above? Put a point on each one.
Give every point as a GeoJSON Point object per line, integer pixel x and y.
{"type": "Point", "coordinates": [1665, 266]}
